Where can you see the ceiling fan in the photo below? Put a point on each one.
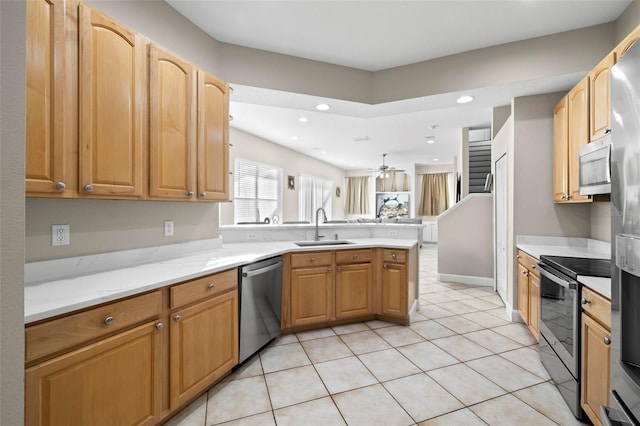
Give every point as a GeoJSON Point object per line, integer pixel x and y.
{"type": "Point", "coordinates": [384, 170]}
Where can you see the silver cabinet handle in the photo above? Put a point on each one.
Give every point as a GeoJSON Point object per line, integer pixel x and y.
{"type": "Point", "coordinates": [313, 259]}
{"type": "Point", "coordinates": [190, 194]}
{"type": "Point", "coordinates": [159, 326]}
{"type": "Point", "coordinates": [607, 340]}
{"type": "Point", "coordinates": [525, 273]}
{"type": "Point", "coordinates": [393, 255]}
{"type": "Point", "coordinates": [329, 269]}
{"type": "Point", "coordinates": [108, 320]}
{"type": "Point", "coordinates": [177, 318]}
{"type": "Point", "coordinates": [385, 266]}
{"type": "Point", "coordinates": [585, 301]}
{"type": "Point", "coordinates": [203, 195]}
{"type": "Point", "coordinates": [210, 286]}
{"type": "Point", "coordinates": [88, 187]}
{"type": "Point", "coordinates": [61, 186]}
{"type": "Point", "coordinates": [339, 268]}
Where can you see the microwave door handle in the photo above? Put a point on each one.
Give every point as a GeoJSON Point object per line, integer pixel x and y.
{"type": "Point", "coordinates": [566, 283]}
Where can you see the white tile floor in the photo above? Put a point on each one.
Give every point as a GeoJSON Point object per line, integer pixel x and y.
{"type": "Point", "coordinates": [459, 363]}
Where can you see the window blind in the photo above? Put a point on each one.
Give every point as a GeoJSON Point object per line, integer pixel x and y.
{"type": "Point", "coordinates": [258, 191]}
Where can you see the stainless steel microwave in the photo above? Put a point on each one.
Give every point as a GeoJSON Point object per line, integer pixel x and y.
{"type": "Point", "coordinates": [595, 167]}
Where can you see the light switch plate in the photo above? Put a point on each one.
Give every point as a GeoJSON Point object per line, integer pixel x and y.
{"type": "Point", "coordinates": [59, 235]}
{"type": "Point", "coordinates": [168, 228]}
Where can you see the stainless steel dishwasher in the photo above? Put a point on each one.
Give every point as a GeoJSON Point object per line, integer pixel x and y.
{"type": "Point", "coordinates": [260, 304]}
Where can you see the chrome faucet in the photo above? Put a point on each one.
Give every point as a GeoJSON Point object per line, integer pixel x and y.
{"type": "Point", "coordinates": [324, 215]}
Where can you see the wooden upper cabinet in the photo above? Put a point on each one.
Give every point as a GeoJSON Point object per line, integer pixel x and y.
{"type": "Point", "coordinates": [172, 126]}
{"type": "Point", "coordinates": [213, 138]}
{"type": "Point", "coordinates": [45, 75]}
{"type": "Point", "coordinates": [626, 43]}
{"type": "Point", "coordinates": [112, 93]}
{"type": "Point", "coordinates": [578, 114]}
{"type": "Point", "coordinates": [599, 98]}
{"type": "Point", "coordinates": [560, 151]}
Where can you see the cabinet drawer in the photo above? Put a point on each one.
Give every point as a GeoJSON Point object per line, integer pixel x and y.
{"type": "Point", "coordinates": [396, 256]}
{"type": "Point", "coordinates": [321, 258]}
{"type": "Point", "coordinates": [56, 335]}
{"type": "Point", "coordinates": [353, 256]}
{"type": "Point", "coordinates": [201, 288]}
{"type": "Point", "coordinates": [529, 262]}
{"type": "Point", "coordinates": [597, 306]}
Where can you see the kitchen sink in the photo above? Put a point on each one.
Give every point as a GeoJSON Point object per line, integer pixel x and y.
{"type": "Point", "coordinates": [321, 243]}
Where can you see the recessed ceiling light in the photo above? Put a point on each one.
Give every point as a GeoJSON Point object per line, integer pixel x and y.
{"type": "Point", "coordinates": [464, 99]}
{"type": "Point", "coordinates": [435, 159]}
{"type": "Point", "coordinates": [431, 139]}
{"type": "Point", "coordinates": [295, 138]}
{"type": "Point", "coordinates": [322, 107]}
{"type": "Point", "coordinates": [303, 119]}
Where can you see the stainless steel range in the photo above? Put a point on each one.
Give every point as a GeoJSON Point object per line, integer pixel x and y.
{"type": "Point", "coordinates": [560, 336]}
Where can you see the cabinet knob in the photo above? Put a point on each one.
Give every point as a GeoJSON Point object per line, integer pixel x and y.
{"type": "Point", "coordinates": [339, 268]}
{"type": "Point", "coordinates": [190, 194]}
{"type": "Point", "coordinates": [108, 320]}
{"type": "Point", "coordinates": [607, 340]}
{"type": "Point", "coordinates": [313, 259]}
{"type": "Point", "coordinates": [518, 257]}
{"type": "Point", "coordinates": [210, 286]}
{"type": "Point", "coordinates": [354, 257]}
{"type": "Point", "coordinates": [159, 326]}
{"type": "Point", "coordinates": [525, 273]}
{"type": "Point", "coordinates": [534, 266]}
{"type": "Point", "coordinates": [585, 301]}
{"type": "Point", "coordinates": [607, 131]}
{"type": "Point", "coordinates": [203, 195]}
{"type": "Point", "coordinates": [230, 117]}
{"type": "Point", "coordinates": [61, 186]}
{"type": "Point", "coordinates": [393, 255]}
{"type": "Point", "coordinates": [384, 266]}
{"type": "Point", "coordinates": [88, 187]}
{"type": "Point", "coordinates": [329, 269]}
{"type": "Point", "coordinates": [177, 318]}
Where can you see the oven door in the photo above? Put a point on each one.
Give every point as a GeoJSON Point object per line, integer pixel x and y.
{"type": "Point", "coordinates": [560, 316]}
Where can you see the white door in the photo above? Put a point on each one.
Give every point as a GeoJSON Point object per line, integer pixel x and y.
{"type": "Point", "coordinates": [501, 255]}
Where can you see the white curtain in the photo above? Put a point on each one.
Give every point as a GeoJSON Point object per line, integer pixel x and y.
{"type": "Point", "coordinates": [314, 193]}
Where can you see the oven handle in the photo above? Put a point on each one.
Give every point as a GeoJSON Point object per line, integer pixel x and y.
{"type": "Point", "coordinates": [564, 282]}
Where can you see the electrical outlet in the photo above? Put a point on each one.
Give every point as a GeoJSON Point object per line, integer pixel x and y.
{"type": "Point", "coordinates": [168, 228]}
{"type": "Point", "coordinates": [252, 236]}
{"type": "Point", "coordinates": [393, 232]}
{"type": "Point", "coordinates": [59, 235]}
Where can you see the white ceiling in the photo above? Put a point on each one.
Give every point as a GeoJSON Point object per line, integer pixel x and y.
{"type": "Point", "coordinates": [376, 35]}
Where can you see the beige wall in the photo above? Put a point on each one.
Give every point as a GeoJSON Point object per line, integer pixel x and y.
{"type": "Point", "coordinates": [629, 19]}
{"type": "Point", "coordinates": [465, 238]}
{"type": "Point", "coordinates": [99, 226]}
{"type": "Point", "coordinates": [499, 116]}
{"type": "Point", "coordinates": [601, 221]}
{"type": "Point", "coordinates": [12, 136]}
{"type": "Point", "coordinates": [293, 163]}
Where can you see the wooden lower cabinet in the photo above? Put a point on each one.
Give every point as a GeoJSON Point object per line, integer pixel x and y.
{"type": "Point", "coordinates": [204, 345]}
{"type": "Point", "coordinates": [596, 354]}
{"type": "Point", "coordinates": [529, 292]}
{"type": "Point", "coordinates": [394, 290]}
{"type": "Point", "coordinates": [354, 297]}
{"type": "Point", "coordinates": [116, 381]}
{"type": "Point", "coordinates": [311, 295]}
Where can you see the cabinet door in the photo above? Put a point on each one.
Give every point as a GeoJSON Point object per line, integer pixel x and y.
{"type": "Point", "coordinates": [172, 126]}
{"type": "Point", "coordinates": [394, 290]}
{"type": "Point", "coordinates": [599, 98]}
{"type": "Point", "coordinates": [578, 109]}
{"type": "Point", "coordinates": [117, 381]}
{"type": "Point", "coordinates": [354, 296]}
{"type": "Point", "coordinates": [311, 295]}
{"type": "Point", "coordinates": [626, 43]}
{"type": "Point", "coordinates": [112, 88]}
{"type": "Point", "coordinates": [523, 293]}
{"type": "Point", "coordinates": [45, 160]}
{"type": "Point", "coordinates": [534, 305]}
{"type": "Point", "coordinates": [213, 138]}
{"type": "Point", "coordinates": [596, 355]}
{"type": "Point", "coordinates": [560, 152]}
{"type": "Point", "coordinates": [204, 345]}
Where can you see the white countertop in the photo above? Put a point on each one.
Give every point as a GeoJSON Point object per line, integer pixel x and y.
{"type": "Point", "coordinates": [570, 247]}
{"type": "Point", "coordinates": [60, 286]}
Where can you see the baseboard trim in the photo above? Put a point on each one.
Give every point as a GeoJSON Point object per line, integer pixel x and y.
{"type": "Point", "coordinates": [512, 314]}
{"type": "Point", "coordinates": [414, 309]}
{"type": "Point", "coordinates": [466, 279]}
